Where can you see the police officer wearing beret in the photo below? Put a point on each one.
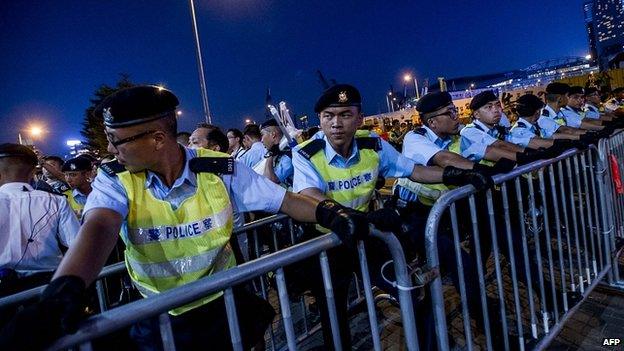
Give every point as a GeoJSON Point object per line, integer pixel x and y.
{"type": "Point", "coordinates": [616, 104]}
{"type": "Point", "coordinates": [552, 119]}
{"type": "Point", "coordinates": [341, 163]}
{"type": "Point", "coordinates": [35, 224]}
{"type": "Point", "coordinates": [79, 175]}
{"type": "Point", "coordinates": [485, 141]}
{"type": "Point", "coordinates": [156, 184]}
{"type": "Point", "coordinates": [278, 165]}
{"type": "Point", "coordinates": [574, 114]}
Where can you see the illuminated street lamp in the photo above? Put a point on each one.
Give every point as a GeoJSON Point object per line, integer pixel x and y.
{"type": "Point", "coordinates": [588, 57]}
{"type": "Point", "coordinates": [249, 121]}
{"type": "Point", "coordinates": [407, 77]}
{"type": "Point", "coordinates": [179, 113]}
{"type": "Point", "coordinates": [33, 131]}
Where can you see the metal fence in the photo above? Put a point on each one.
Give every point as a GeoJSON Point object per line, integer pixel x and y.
{"type": "Point", "coordinates": [554, 222]}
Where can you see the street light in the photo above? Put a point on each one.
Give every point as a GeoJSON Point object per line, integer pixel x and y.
{"type": "Point", "coordinates": [33, 131]}
{"type": "Point", "coordinates": [588, 57]}
{"type": "Point", "coordinates": [200, 66]}
{"type": "Point", "coordinates": [407, 77]}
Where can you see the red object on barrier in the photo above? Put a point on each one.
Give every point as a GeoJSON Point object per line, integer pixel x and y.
{"type": "Point", "coordinates": [615, 174]}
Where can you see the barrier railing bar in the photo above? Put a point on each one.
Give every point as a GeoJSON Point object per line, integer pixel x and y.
{"type": "Point", "coordinates": [566, 223]}
{"type": "Point", "coordinates": [370, 300]}
{"type": "Point", "coordinates": [551, 270]}
{"type": "Point", "coordinates": [564, 288]}
{"type": "Point", "coordinates": [166, 332]}
{"type": "Point", "coordinates": [593, 180]}
{"type": "Point", "coordinates": [590, 221]}
{"type": "Point", "coordinates": [575, 225]}
{"type": "Point", "coordinates": [230, 309]}
{"type": "Point", "coordinates": [331, 305]}
{"type": "Point", "coordinates": [461, 278]}
{"type": "Point", "coordinates": [581, 213]}
{"type": "Point", "coordinates": [282, 292]}
{"type": "Point", "coordinates": [480, 271]}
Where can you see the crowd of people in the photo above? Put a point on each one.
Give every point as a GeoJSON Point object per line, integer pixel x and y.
{"type": "Point", "coordinates": [174, 199]}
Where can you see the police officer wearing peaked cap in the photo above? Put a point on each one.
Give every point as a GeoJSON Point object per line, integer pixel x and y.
{"type": "Point", "coordinates": [78, 174]}
{"type": "Point", "coordinates": [152, 177]}
{"type": "Point", "coordinates": [342, 163]}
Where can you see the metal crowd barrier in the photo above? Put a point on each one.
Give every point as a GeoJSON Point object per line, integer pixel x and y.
{"type": "Point", "coordinates": [565, 214]}
{"type": "Point", "coordinates": [124, 316]}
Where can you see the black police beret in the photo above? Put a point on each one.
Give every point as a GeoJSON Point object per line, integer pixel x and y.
{"type": "Point", "coordinates": [576, 90]}
{"type": "Point", "coordinates": [433, 101]}
{"type": "Point", "coordinates": [528, 104]}
{"type": "Point", "coordinates": [557, 88]}
{"type": "Point", "coordinates": [16, 150]}
{"type": "Point", "coordinates": [77, 164]}
{"type": "Point", "coordinates": [591, 90]}
{"type": "Point", "coordinates": [482, 99]}
{"type": "Point", "coordinates": [339, 95]}
{"type": "Point", "coordinates": [136, 105]}
{"type": "Point", "coordinates": [269, 123]}
{"type": "Point", "coordinates": [618, 90]}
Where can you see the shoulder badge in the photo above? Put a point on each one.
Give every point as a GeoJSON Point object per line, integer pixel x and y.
{"type": "Point", "coordinates": [522, 125]}
{"type": "Point", "coordinates": [61, 187]}
{"type": "Point", "coordinates": [312, 148]}
{"type": "Point", "coordinates": [216, 165]}
{"type": "Point", "coordinates": [546, 113]}
{"type": "Point", "coordinates": [421, 131]}
{"type": "Point", "coordinates": [372, 143]}
{"type": "Point", "coordinates": [112, 168]}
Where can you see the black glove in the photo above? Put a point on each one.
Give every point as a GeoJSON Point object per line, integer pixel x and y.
{"type": "Point", "coordinates": [349, 224]}
{"type": "Point", "coordinates": [528, 156]}
{"type": "Point", "coordinates": [504, 165]}
{"type": "Point", "coordinates": [459, 177]}
{"type": "Point", "coordinates": [274, 150]}
{"type": "Point", "coordinates": [564, 144]}
{"type": "Point", "coordinates": [606, 131]}
{"type": "Point", "coordinates": [590, 137]}
{"type": "Point", "coordinates": [59, 311]}
{"type": "Point", "coordinates": [386, 219]}
{"type": "Point", "coordinates": [551, 152]}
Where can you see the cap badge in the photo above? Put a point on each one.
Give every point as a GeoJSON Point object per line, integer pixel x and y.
{"type": "Point", "coordinates": [108, 117]}
{"type": "Point", "coordinates": [72, 166]}
{"type": "Point", "coordinates": [342, 97]}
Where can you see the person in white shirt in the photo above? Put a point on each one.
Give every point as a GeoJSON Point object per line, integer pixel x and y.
{"type": "Point", "coordinates": [35, 223]}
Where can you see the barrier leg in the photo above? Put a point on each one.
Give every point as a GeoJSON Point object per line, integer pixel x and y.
{"type": "Point", "coordinates": [590, 222]}
{"type": "Point", "coordinates": [548, 245]}
{"type": "Point", "coordinates": [553, 190]}
{"type": "Point", "coordinates": [331, 305]}
{"type": "Point", "coordinates": [593, 180]}
{"type": "Point", "coordinates": [230, 309]}
{"type": "Point", "coordinates": [285, 309]}
{"type": "Point", "coordinates": [166, 332]}
{"type": "Point", "coordinates": [567, 226]}
{"type": "Point", "coordinates": [575, 225]}
{"type": "Point", "coordinates": [370, 300]}
{"type": "Point", "coordinates": [461, 279]}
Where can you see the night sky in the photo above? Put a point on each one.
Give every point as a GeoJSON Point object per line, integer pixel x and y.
{"type": "Point", "coordinates": [54, 54]}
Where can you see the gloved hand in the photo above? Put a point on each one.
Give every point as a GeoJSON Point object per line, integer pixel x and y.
{"type": "Point", "coordinates": [606, 131]}
{"type": "Point", "coordinates": [386, 219]}
{"type": "Point", "coordinates": [551, 152]}
{"type": "Point", "coordinates": [59, 311]}
{"type": "Point", "coordinates": [349, 224]}
{"type": "Point", "coordinates": [590, 137]}
{"type": "Point", "coordinates": [274, 150]}
{"type": "Point", "coordinates": [504, 165]}
{"type": "Point", "coordinates": [457, 176]}
{"type": "Point", "coordinates": [528, 156]}
{"type": "Point", "coordinates": [564, 144]}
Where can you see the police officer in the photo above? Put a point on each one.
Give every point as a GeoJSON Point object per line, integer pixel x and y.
{"type": "Point", "coordinates": [51, 166]}
{"type": "Point", "coordinates": [574, 114]}
{"type": "Point", "coordinates": [526, 132]}
{"type": "Point", "coordinates": [208, 137]}
{"type": "Point", "coordinates": [79, 175]}
{"type": "Point", "coordinates": [34, 223]}
{"type": "Point", "coordinates": [255, 150]}
{"type": "Point", "coordinates": [278, 166]}
{"type": "Point", "coordinates": [343, 164]}
{"type": "Point", "coordinates": [552, 119]}
{"type": "Point", "coordinates": [173, 206]}
{"type": "Point", "coordinates": [484, 140]}
{"type": "Point", "coordinates": [594, 108]}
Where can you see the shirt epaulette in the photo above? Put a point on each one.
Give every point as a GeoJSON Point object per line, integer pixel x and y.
{"type": "Point", "coordinates": [421, 131]}
{"type": "Point", "coordinates": [372, 143]}
{"type": "Point", "coordinates": [312, 148]}
{"type": "Point", "coordinates": [112, 168]}
{"type": "Point", "coordinates": [61, 187]}
{"type": "Point", "coordinates": [216, 165]}
{"type": "Point", "coordinates": [522, 125]}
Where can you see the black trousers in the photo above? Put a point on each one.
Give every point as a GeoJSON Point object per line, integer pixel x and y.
{"type": "Point", "coordinates": [206, 327]}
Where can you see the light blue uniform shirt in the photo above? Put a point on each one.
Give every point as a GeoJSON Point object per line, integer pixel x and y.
{"type": "Point", "coordinates": [254, 155]}
{"type": "Point", "coordinates": [547, 121]}
{"type": "Point", "coordinates": [592, 112]}
{"type": "Point", "coordinates": [79, 197]}
{"type": "Point", "coordinates": [573, 117]}
{"type": "Point", "coordinates": [475, 140]}
{"type": "Point", "coordinates": [391, 164]}
{"type": "Point", "coordinates": [420, 146]}
{"type": "Point", "coordinates": [248, 190]}
{"type": "Point", "coordinates": [522, 132]}
{"type": "Point", "coordinates": [504, 121]}
{"type": "Point", "coordinates": [284, 170]}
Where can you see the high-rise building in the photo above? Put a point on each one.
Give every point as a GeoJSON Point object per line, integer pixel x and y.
{"type": "Point", "coordinates": [588, 11]}
{"type": "Point", "coordinates": [608, 19]}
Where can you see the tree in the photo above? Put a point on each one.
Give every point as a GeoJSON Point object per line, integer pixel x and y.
{"type": "Point", "coordinates": [92, 126]}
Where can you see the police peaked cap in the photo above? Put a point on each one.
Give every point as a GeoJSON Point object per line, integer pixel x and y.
{"type": "Point", "coordinates": [269, 123]}
{"type": "Point", "coordinates": [576, 90]}
{"type": "Point", "coordinates": [482, 99]}
{"type": "Point", "coordinates": [528, 104]}
{"type": "Point", "coordinates": [339, 95]}
{"type": "Point", "coordinates": [557, 88]}
{"type": "Point", "coordinates": [591, 90]}
{"type": "Point", "coordinates": [434, 101]}
{"type": "Point", "coordinates": [77, 164]}
{"type": "Point", "coordinates": [16, 150]}
{"type": "Point", "coordinates": [140, 104]}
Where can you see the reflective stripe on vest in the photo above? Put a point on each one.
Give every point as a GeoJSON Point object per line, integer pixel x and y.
{"type": "Point", "coordinates": [166, 248]}
{"type": "Point", "coordinates": [354, 186]}
{"type": "Point", "coordinates": [429, 193]}
{"type": "Point", "coordinates": [75, 206]}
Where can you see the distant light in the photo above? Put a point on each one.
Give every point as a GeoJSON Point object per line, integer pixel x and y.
{"type": "Point", "coordinates": [73, 142]}
{"type": "Point", "coordinates": [36, 131]}
{"type": "Point", "coordinates": [179, 113]}
{"type": "Point", "coordinates": [160, 87]}
{"type": "Point", "coordinates": [588, 57]}
{"type": "Point", "coordinates": [390, 93]}
{"type": "Point", "coordinates": [407, 77]}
